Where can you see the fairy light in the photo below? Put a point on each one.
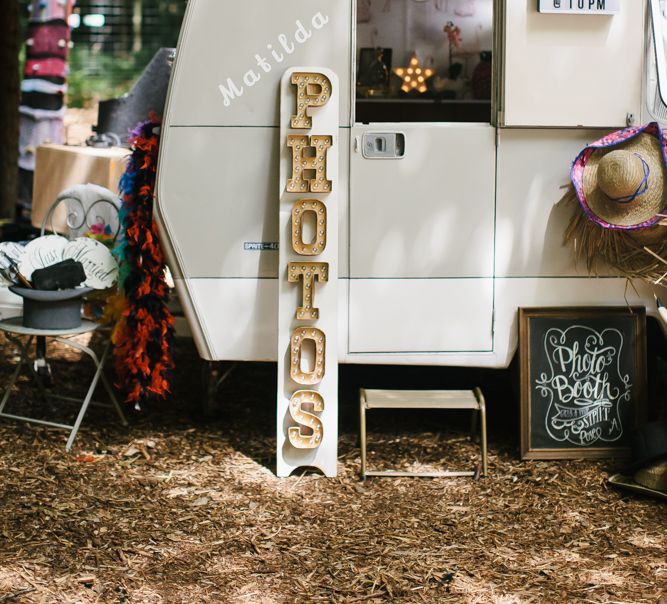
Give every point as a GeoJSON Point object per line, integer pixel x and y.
{"type": "Point", "coordinates": [414, 76]}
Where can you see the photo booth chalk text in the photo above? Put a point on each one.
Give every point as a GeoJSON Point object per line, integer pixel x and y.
{"type": "Point", "coordinates": [582, 381]}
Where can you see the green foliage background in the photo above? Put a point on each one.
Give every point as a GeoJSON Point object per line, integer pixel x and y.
{"type": "Point", "coordinates": [97, 76]}
{"type": "Point", "coordinates": [99, 72]}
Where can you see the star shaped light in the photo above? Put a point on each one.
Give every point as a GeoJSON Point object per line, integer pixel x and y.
{"type": "Point", "coordinates": [414, 76]}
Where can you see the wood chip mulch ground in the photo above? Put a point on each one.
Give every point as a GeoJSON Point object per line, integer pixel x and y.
{"type": "Point", "coordinates": [176, 509]}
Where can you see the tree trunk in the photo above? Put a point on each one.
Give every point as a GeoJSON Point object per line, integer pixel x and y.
{"type": "Point", "coordinates": [9, 108]}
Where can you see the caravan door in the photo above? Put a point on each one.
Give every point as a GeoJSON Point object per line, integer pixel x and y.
{"type": "Point", "coordinates": [422, 187]}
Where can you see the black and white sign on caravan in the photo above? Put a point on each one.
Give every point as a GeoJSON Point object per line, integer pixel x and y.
{"type": "Point", "coordinates": [580, 7]}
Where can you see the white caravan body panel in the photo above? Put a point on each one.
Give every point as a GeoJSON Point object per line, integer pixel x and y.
{"type": "Point", "coordinates": [572, 70]}
{"type": "Point", "coordinates": [437, 249]}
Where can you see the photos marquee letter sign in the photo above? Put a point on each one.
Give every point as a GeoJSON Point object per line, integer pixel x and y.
{"type": "Point", "coordinates": [308, 273]}
{"type": "Point", "coordinates": [582, 380]}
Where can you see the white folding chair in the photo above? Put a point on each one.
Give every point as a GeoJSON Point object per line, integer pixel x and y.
{"type": "Point", "coordinates": [85, 205]}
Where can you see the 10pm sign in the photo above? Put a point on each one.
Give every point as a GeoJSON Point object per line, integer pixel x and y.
{"type": "Point", "coordinates": [580, 7]}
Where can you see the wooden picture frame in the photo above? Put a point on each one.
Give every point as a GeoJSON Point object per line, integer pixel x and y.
{"type": "Point", "coordinates": [583, 380]}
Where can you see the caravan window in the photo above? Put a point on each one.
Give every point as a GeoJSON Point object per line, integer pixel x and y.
{"type": "Point", "coordinates": [656, 63]}
{"type": "Point", "coordinates": [424, 60]}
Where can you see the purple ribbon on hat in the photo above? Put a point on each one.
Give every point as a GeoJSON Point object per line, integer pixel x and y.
{"type": "Point", "coordinates": [641, 189]}
{"type": "Point", "coordinates": [611, 140]}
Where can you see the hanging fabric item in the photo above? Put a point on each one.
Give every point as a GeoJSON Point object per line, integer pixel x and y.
{"type": "Point", "coordinates": [38, 127]}
{"type": "Point", "coordinates": [144, 332]}
{"type": "Point", "coordinates": [50, 39]}
{"type": "Point", "coordinates": [40, 85]}
{"type": "Point", "coordinates": [42, 100]}
{"type": "Point", "coordinates": [42, 114]}
{"type": "Point", "coordinates": [47, 10]}
{"type": "Point", "coordinates": [43, 88]}
{"type": "Point", "coordinates": [50, 79]}
{"type": "Point", "coordinates": [34, 132]}
{"type": "Point", "coordinates": [49, 67]}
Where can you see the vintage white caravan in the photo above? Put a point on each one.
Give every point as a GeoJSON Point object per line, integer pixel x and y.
{"type": "Point", "coordinates": [438, 247]}
{"type": "Point", "coordinates": [443, 228]}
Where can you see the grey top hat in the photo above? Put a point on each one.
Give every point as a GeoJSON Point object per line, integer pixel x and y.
{"type": "Point", "coordinates": [44, 295]}
{"type": "Point", "coordinates": [51, 309]}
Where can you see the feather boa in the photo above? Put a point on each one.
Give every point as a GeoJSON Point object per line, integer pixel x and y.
{"type": "Point", "coordinates": [144, 330]}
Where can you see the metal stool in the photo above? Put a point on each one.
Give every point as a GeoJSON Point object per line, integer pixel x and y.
{"type": "Point", "coordinates": [422, 399]}
{"type": "Point", "coordinates": [14, 328]}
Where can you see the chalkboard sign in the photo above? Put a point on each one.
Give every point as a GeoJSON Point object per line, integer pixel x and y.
{"type": "Point", "coordinates": [583, 380]}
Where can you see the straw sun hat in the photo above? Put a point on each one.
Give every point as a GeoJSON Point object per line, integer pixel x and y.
{"type": "Point", "coordinates": [619, 191]}
{"type": "Point", "coordinates": [621, 179]}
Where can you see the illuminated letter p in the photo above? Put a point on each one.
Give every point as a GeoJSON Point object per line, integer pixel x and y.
{"type": "Point", "coordinates": [313, 90]}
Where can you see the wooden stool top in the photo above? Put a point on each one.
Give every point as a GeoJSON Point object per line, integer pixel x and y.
{"type": "Point", "coordinates": [419, 399]}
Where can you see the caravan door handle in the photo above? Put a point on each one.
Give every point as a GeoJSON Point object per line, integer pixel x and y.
{"type": "Point", "coordinates": [382, 145]}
